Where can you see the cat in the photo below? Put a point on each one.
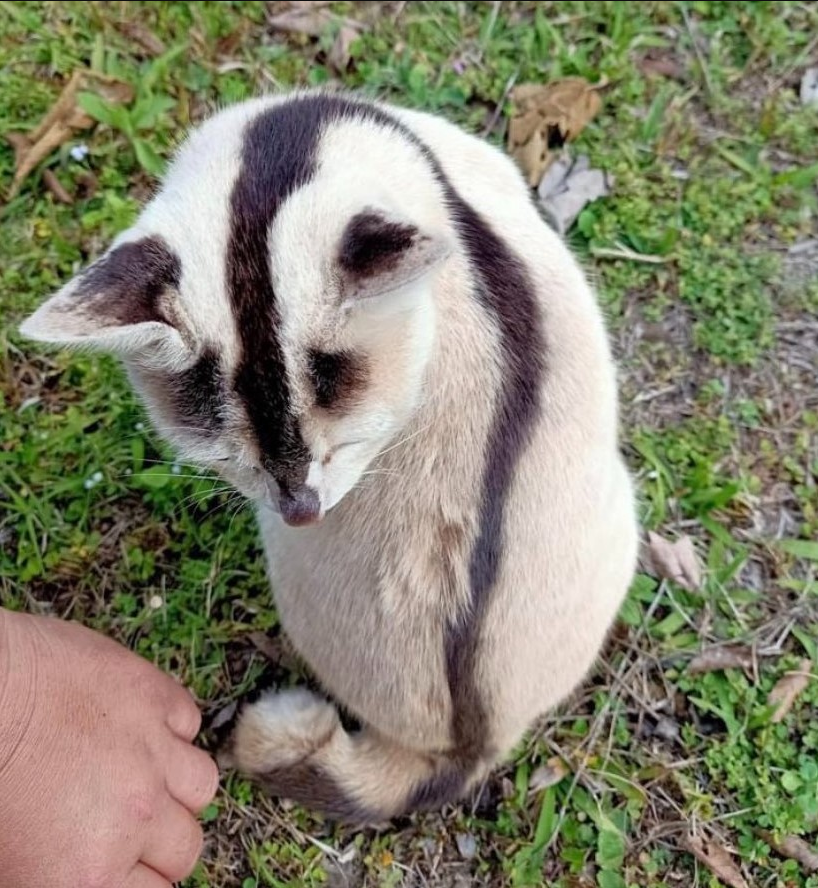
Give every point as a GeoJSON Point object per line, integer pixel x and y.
{"type": "Point", "coordinates": [354, 313]}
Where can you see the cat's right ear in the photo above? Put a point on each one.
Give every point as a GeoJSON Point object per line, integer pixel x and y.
{"type": "Point", "coordinates": [381, 253]}
{"type": "Point", "coordinates": [122, 303]}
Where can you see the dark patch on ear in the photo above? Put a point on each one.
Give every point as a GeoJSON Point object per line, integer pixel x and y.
{"type": "Point", "coordinates": [197, 394]}
{"type": "Point", "coordinates": [372, 244]}
{"type": "Point", "coordinates": [338, 378]}
{"type": "Point", "coordinates": [126, 285]}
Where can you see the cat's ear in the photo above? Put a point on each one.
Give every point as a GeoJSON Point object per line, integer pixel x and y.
{"type": "Point", "coordinates": [121, 303]}
{"type": "Point", "coordinates": [381, 253]}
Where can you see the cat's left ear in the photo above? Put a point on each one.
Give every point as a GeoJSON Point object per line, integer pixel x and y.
{"type": "Point", "coordinates": [381, 253]}
{"type": "Point", "coordinates": [122, 303]}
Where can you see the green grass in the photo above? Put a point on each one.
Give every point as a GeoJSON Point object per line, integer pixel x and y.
{"type": "Point", "coordinates": [715, 179]}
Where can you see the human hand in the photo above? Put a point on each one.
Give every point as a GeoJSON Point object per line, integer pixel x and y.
{"type": "Point", "coordinates": [99, 780]}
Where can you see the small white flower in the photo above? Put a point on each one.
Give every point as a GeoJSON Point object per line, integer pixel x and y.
{"type": "Point", "coordinates": [88, 483]}
{"type": "Point", "coordinates": [97, 476]}
{"type": "Point", "coordinates": [140, 427]}
{"type": "Point", "coordinates": [156, 602]}
{"type": "Point", "coordinates": [176, 469]}
{"type": "Point", "coordinates": [79, 152]}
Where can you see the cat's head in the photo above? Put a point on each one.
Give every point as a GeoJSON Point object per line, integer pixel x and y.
{"type": "Point", "coordinates": [273, 303]}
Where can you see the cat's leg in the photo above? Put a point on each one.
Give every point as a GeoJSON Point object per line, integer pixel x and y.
{"type": "Point", "coordinates": [294, 744]}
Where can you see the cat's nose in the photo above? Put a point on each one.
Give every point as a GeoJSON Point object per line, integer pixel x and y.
{"type": "Point", "coordinates": [300, 506]}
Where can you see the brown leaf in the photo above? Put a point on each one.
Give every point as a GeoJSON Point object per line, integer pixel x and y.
{"type": "Point", "coordinates": [87, 185]}
{"type": "Point", "coordinates": [63, 120]}
{"type": "Point", "coordinates": [339, 55]}
{"type": "Point", "coordinates": [716, 858]}
{"type": "Point", "coordinates": [142, 36]}
{"type": "Point", "coordinates": [794, 848]}
{"type": "Point", "coordinates": [548, 774]}
{"type": "Point", "coordinates": [722, 656]}
{"type": "Point", "coordinates": [302, 20]}
{"type": "Point", "coordinates": [546, 116]}
{"type": "Point", "coordinates": [787, 689]}
{"type": "Point", "coordinates": [269, 645]}
{"type": "Point", "coordinates": [56, 187]}
{"type": "Point", "coordinates": [655, 61]}
{"type": "Point", "coordinates": [676, 561]}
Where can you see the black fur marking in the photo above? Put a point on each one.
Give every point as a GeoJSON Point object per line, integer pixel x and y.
{"type": "Point", "coordinates": [372, 245]}
{"type": "Point", "coordinates": [507, 293]}
{"type": "Point", "coordinates": [278, 158]}
{"type": "Point", "coordinates": [126, 285]}
{"type": "Point", "coordinates": [338, 378]}
{"type": "Point", "coordinates": [313, 788]}
{"type": "Point", "coordinates": [197, 394]}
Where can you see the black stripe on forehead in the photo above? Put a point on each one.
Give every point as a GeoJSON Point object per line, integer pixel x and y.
{"type": "Point", "coordinates": [278, 158]}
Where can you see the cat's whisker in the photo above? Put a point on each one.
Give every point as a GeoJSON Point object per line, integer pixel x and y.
{"type": "Point", "coordinates": [404, 440]}
{"type": "Point", "coordinates": [239, 506]}
{"type": "Point", "coordinates": [179, 475]}
{"type": "Point", "coordinates": [202, 496]}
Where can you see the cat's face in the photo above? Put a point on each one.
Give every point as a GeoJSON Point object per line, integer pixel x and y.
{"type": "Point", "coordinates": [273, 303]}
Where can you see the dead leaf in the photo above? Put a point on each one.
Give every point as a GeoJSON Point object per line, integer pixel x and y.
{"type": "Point", "coordinates": [722, 656]}
{"type": "Point", "coordinates": [655, 61]}
{"type": "Point", "coordinates": [676, 561]}
{"type": "Point", "coordinates": [787, 689]}
{"type": "Point", "coordinates": [87, 185]}
{"type": "Point", "coordinates": [312, 20]}
{"type": "Point", "coordinates": [223, 716]}
{"type": "Point", "coordinates": [795, 848]}
{"type": "Point", "coordinates": [466, 845]}
{"type": "Point", "coordinates": [269, 645]}
{"type": "Point", "coordinates": [339, 55]}
{"type": "Point", "coordinates": [56, 187]}
{"type": "Point", "coordinates": [549, 774]}
{"type": "Point", "coordinates": [142, 36]}
{"type": "Point", "coordinates": [547, 116]}
{"type": "Point", "coordinates": [309, 20]}
{"type": "Point", "coordinates": [567, 187]}
{"type": "Point", "coordinates": [809, 87]}
{"type": "Point", "coordinates": [63, 120]}
{"type": "Point", "coordinates": [716, 858]}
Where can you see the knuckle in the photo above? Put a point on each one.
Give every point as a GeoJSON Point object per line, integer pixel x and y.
{"type": "Point", "coordinates": [141, 805]}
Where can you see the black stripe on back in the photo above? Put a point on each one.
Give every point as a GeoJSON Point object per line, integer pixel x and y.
{"type": "Point", "coordinates": [507, 293]}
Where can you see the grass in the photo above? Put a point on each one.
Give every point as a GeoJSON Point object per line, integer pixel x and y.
{"type": "Point", "coordinates": [714, 164]}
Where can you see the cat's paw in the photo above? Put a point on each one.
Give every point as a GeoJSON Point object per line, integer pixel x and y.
{"type": "Point", "coordinates": [279, 730]}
